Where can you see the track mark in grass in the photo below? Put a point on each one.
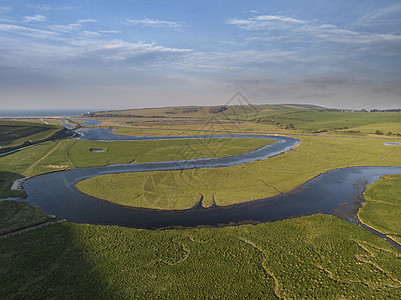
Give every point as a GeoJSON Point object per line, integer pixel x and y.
{"type": "Point", "coordinates": [191, 238]}
{"type": "Point", "coordinates": [329, 273]}
{"type": "Point", "coordinates": [371, 251]}
{"type": "Point", "coordinates": [269, 274]}
{"type": "Point", "coordinates": [376, 248]}
{"type": "Point", "coordinates": [270, 186]}
{"type": "Point", "coordinates": [329, 146]}
{"type": "Point", "coordinates": [387, 154]}
{"type": "Point", "coordinates": [184, 257]}
{"type": "Point", "coordinates": [67, 153]}
{"type": "Point", "coordinates": [229, 174]}
{"type": "Point", "coordinates": [285, 170]}
{"type": "Point", "coordinates": [27, 171]}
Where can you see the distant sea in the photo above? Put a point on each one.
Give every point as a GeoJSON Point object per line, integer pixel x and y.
{"type": "Point", "coordinates": [26, 113]}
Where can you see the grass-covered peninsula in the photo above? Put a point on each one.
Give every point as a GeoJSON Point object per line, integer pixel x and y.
{"type": "Point", "coordinates": [64, 154]}
{"type": "Point", "coordinates": [382, 211]}
{"type": "Point", "coordinates": [242, 183]}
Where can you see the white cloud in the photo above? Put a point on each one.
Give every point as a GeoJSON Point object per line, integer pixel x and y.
{"type": "Point", "coordinates": [91, 34]}
{"type": "Point", "coordinates": [264, 22]}
{"type": "Point", "coordinates": [380, 15]}
{"type": "Point", "coordinates": [66, 28]}
{"type": "Point", "coordinates": [158, 23]}
{"type": "Point", "coordinates": [43, 34]}
{"type": "Point", "coordinates": [46, 7]}
{"type": "Point", "coordinates": [109, 31]}
{"type": "Point", "coordinates": [82, 21]}
{"type": "Point", "coordinates": [335, 42]}
{"type": "Point", "coordinates": [35, 18]}
{"type": "Point", "coordinates": [85, 50]}
{"type": "Point", "coordinates": [278, 18]}
{"type": "Point", "coordinates": [5, 9]}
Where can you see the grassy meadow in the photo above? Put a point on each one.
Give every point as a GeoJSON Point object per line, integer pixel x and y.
{"type": "Point", "coordinates": [14, 134]}
{"type": "Point", "coordinates": [60, 155]}
{"type": "Point", "coordinates": [382, 211]}
{"type": "Point", "coordinates": [16, 215]}
{"type": "Point", "coordinates": [6, 182]}
{"type": "Point", "coordinates": [243, 183]}
{"type": "Point", "coordinates": [312, 257]}
{"type": "Point", "coordinates": [336, 121]}
{"type": "Point", "coordinates": [259, 118]}
{"type": "Point", "coordinates": [163, 150]}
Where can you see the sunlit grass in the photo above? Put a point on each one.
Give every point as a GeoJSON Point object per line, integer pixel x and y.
{"type": "Point", "coordinates": [65, 154]}
{"type": "Point", "coordinates": [383, 209]}
{"type": "Point", "coordinates": [243, 183]}
{"type": "Point", "coordinates": [16, 215]}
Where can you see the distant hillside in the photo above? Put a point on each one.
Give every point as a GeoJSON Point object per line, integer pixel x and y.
{"type": "Point", "coordinates": [14, 134]}
{"type": "Point", "coordinates": [199, 111]}
{"type": "Point", "coordinates": [307, 106]}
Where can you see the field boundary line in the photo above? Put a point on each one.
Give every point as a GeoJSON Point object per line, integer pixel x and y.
{"type": "Point", "coordinates": [43, 157]}
{"type": "Point", "coordinates": [67, 153]}
{"type": "Point", "coordinates": [47, 223]}
{"type": "Point", "coordinates": [253, 245]}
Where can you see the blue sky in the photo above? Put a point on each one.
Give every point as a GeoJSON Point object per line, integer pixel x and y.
{"type": "Point", "coordinates": [127, 54]}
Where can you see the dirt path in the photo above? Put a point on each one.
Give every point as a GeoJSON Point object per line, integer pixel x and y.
{"type": "Point", "coordinates": [27, 171]}
{"type": "Point", "coordinates": [48, 223]}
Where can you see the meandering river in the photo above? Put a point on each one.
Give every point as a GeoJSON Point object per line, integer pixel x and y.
{"type": "Point", "coordinates": [338, 192]}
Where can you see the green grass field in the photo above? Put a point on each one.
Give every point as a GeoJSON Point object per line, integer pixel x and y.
{"type": "Point", "coordinates": [205, 128]}
{"type": "Point", "coordinates": [152, 151]}
{"type": "Point", "coordinates": [6, 182]}
{"type": "Point", "coordinates": [243, 183]}
{"type": "Point", "coordinates": [383, 209]}
{"type": "Point", "coordinates": [317, 121]}
{"type": "Point", "coordinates": [306, 258]}
{"type": "Point", "coordinates": [18, 133]}
{"type": "Point", "coordinates": [16, 215]}
{"type": "Point", "coordinates": [64, 154]}
{"type": "Point", "coordinates": [294, 118]}
{"type": "Point", "coordinates": [384, 127]}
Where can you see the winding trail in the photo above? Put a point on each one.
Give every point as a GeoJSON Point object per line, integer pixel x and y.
{"type": "Point", "coordinates": [26, 172]}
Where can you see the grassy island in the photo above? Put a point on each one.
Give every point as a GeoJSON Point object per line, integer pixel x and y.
{"type": "Point", "coordinates": [243, 183]}
{"type": "Point", "coordinates": [383, 209]}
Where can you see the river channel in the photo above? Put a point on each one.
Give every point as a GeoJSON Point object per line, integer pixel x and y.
{"type": "Point", "coordinates": [338, 192]}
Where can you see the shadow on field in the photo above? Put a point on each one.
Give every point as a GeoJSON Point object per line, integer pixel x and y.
{"type": "Point", "coordinates": [319, 256]}
{"type": "Point", "coordinates": [49, 263]}
{"type": "Point", "coordinates": [6, 181]}
{"type": "Point", "coordinates": [72, 261]}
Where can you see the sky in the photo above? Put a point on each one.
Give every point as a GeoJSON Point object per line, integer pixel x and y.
{"type": "Point", "coordinates": [117, 54]}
